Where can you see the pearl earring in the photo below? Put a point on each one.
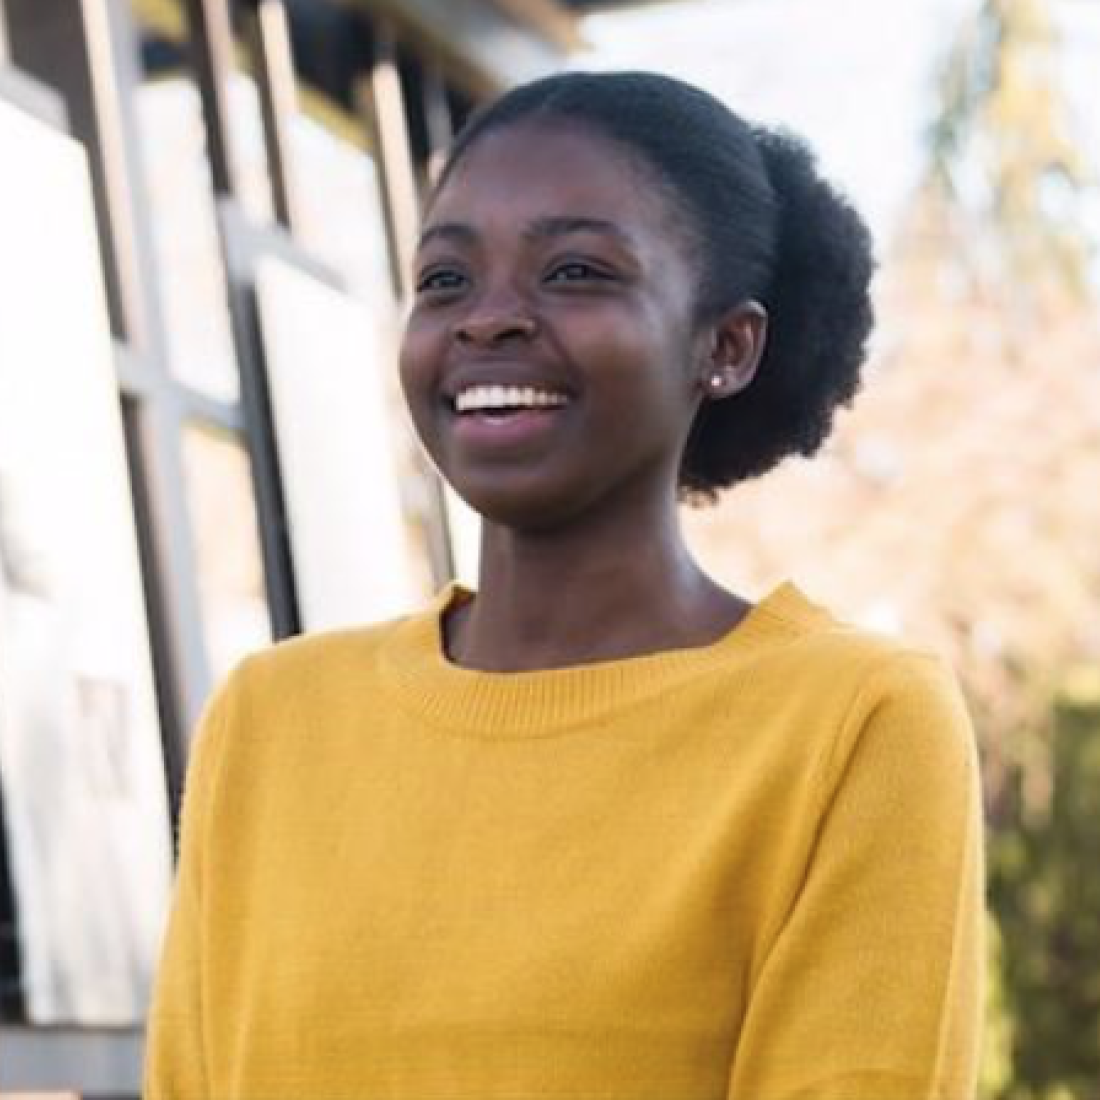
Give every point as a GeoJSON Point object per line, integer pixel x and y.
{"type": "Point", "coordinates": [715, 381]}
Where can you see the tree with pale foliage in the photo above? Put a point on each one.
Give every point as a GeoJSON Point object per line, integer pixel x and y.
{"type": "Point", "coordinates": [958, 505]}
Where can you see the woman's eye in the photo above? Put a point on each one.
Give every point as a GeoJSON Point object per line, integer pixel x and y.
{"type": "Point", "coordinates": [575, 270]}
{"type": "Point", "coordinates": [442, 279]}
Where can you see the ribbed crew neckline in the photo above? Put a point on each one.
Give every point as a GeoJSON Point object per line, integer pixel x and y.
{"type": "Point", "coordinates": [494, 705]}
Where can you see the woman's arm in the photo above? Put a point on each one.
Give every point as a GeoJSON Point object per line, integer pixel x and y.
{"type": "Point", "coordinates": [873, 989]}
{"type": "Point", "coordinates": [175, 1061]}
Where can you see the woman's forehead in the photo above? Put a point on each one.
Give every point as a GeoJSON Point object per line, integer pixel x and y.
{"type": "Point", "coordinates": [539, 172]}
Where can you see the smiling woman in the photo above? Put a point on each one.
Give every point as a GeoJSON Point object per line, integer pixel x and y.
{"type": "Point", "coordinates": [601, 828]}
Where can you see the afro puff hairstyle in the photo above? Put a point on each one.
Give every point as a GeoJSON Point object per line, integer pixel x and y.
{"type": "Point", "coordinates": [767, 227]}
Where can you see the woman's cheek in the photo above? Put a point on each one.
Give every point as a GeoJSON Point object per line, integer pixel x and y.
{"type": "Point", "coordinates": [414, 359]}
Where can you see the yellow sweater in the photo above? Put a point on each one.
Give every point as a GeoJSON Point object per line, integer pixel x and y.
{"type": "Point", "coordinates": [750, 870]}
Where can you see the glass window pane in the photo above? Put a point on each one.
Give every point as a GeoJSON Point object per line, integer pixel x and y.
{"type": "Point", "coordinates": [81, 761]}
{"type": "Point", "coordinates": [250, 149]}
{"type": "Point", "coordinates": [185, 236]}
{"type": "Point", "coordinates": [340, 211]}
{"type": "Point", "coordinates": [349, 532]}
{"type": "Point", "coordinates": [341, 223]}
{"type": "Point", "coordinates": [227, 547]}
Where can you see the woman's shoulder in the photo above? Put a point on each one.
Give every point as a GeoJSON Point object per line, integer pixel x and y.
{"type": "Point", "coordinates": [315, 652]}
{"type": "Point", "coordinates": [819, 643]}
{"type": "Point", "coordinates": [315, 665]}
{"type": "Point", "coordinates": [856, 678]}
{"type": "Point", "coordinates": [889, 698]}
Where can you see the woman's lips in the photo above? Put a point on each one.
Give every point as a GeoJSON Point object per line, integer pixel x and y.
{"type": "Point", "coordinates": [488, 430]}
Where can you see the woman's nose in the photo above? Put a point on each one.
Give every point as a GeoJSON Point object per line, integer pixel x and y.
{"type": "Point", "coordinates": [488, 328]}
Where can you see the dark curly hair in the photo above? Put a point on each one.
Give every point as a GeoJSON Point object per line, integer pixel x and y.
{"type": "Point", "coordinates": [768, 228]}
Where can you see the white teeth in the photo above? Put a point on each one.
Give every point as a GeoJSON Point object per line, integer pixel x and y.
{"type": "Point", "coordinates": [473, 398]}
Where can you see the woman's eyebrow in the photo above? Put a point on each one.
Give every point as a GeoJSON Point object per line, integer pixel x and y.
{"type": "Point", "coordinates": [447, 231]}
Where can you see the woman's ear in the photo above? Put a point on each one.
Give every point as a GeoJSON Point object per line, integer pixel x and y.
{"type": "Point", "coordinates": [737, 346]}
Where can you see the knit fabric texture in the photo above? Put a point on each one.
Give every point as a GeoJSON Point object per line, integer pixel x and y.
{"type": "Point", "coordinates": [748, 870]}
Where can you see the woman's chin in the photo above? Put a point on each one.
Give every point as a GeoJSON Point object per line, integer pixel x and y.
{"type": "Point", "coordinates": [531, 507]}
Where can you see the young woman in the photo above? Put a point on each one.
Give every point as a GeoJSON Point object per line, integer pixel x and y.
{"type": "Point", "coordinates": [601, 829]}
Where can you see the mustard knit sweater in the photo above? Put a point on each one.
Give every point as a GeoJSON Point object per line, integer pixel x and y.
{"type": "Point", "coordinates": [749, 870]}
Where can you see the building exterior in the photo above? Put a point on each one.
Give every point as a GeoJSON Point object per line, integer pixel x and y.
{"type": "Point", "coordinates": [205, 215]}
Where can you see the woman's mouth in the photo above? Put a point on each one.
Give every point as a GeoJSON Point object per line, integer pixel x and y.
{"type": "Point", "coordinates": [497, 415]}
{"type": "Point", "coordinates": [497, 400]}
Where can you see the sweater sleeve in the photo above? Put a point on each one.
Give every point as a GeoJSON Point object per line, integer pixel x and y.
{"type": "Point", "coordinates": [873, 988]}
{"type": "Point", "coordinates": [175, 1061]}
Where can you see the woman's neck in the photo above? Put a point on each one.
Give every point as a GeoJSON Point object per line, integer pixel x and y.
{"type": "Point", "coordinates": [555, 599]}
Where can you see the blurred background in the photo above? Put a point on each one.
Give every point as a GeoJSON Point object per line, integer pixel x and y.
{"type": "Point", "coordinates": [206, 211]}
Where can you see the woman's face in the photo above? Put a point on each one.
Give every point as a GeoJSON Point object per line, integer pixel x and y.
{"type": "Point", "coordinates": [548, 360]}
